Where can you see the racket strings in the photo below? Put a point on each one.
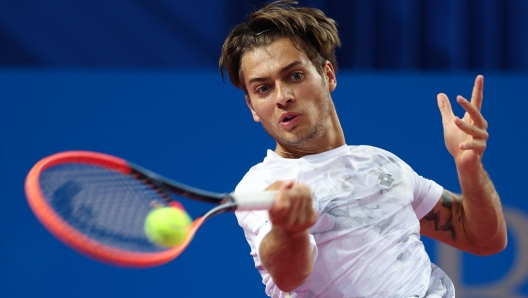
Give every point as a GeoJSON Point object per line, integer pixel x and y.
{"type": "Point", "coordinates": [104, 205]}
{"type": "Point", "coordinates": [157, 187]}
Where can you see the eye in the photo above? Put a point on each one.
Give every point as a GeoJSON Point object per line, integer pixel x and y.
{"type": "Point", "coordinates": [262, 89]}
{"type": "Point", "coordinates": [297, 76]}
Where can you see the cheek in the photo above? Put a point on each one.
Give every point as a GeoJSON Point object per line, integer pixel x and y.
{"type": "Point", "coordinates": [311, 90]}
{"type": "Point", "coordinates": [264, 111]}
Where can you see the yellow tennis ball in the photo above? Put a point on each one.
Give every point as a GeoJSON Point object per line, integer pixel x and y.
{"type": "Point", "coordinates": [167, 226]}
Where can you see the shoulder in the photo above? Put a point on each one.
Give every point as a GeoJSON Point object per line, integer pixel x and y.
{"type": "Point", "coordinates": [256, 179]}
{"type": "Point", "coordinates": [366, 149]}
{"type": "Point", "coordinates": [261, 175]}
{"type": "Point", "coordinates": [375, 154]}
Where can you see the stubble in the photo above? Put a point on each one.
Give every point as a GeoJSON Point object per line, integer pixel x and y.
{"type": "Point", "coordinates": [318, 130]}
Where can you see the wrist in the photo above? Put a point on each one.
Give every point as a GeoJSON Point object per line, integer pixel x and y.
{"type": "Point", "coordinates": [470, 168]}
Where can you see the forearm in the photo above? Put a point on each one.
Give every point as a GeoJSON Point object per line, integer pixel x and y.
{"type": "Point", "coordinates": [474, 220]}
{"type": "Point", "coordinates": [482, 214]}
{"type": "Point", "coordinates": [288, 258]}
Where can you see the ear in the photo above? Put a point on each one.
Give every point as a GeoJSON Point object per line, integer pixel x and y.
{"type": "Point", "coordinates": [330, 76]}
{"type": "Point", "coordinates": [255, 116]}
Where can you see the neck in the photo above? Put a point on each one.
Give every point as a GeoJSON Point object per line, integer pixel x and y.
{"type": "Point", "coordinates": [287, 154]}
{"type": "Point", "coordinates": [319, 146]}
{"type": "Point", "coordinates": [290, 152]}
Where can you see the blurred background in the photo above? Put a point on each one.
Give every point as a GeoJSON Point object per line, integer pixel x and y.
{"type": "Point", "coordinates": [139, 79]}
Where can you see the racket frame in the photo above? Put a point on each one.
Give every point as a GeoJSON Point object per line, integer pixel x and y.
{"type": "Point", "coordinates": [96, 250]}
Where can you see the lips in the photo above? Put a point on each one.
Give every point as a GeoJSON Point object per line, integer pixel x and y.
{"type": "Point", "coordinates": [288, 119]}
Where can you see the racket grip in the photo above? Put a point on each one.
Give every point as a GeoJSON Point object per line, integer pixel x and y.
{"type": "Point", "coordinates": [254, 201]}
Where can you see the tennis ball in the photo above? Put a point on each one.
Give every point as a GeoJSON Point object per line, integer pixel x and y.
{"type": "Point", "coordinates": [167, 226]}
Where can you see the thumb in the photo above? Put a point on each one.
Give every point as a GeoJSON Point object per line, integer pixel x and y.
{"type": "Point", "coordinates": [281, 200]}
{"type": "Point", "coordinates": [286, 185]}
{"type": "Point", "coordinates": [445, 108]}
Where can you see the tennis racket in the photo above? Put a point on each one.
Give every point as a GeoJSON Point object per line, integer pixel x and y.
{"type": "Point", "coordinates": [97, 204]}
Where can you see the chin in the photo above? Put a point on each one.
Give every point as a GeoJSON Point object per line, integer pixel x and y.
{"type": "Point", "coordinates": [302, 139]}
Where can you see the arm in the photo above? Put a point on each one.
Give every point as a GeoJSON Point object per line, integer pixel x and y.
{"type": "Point", "coordinates": [286, 251]}
{"type": "Point", "coordinates": [473, 221]}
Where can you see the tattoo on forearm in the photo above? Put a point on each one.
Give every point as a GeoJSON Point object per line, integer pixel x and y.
{"type": "Point", "coordinates": [449, 201]}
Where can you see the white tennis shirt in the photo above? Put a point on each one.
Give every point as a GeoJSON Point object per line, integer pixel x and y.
{"type": "Point", "coordinates": [366, 241]}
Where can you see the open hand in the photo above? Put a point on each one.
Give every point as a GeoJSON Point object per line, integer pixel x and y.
{"type": "Point", "coordinates": [465, 138]}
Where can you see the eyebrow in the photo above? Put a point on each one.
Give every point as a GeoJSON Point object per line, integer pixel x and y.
{"type": "Point", "coordinates": [282, 70]}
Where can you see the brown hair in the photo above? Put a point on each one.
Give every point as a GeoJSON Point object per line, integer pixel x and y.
{"type": "Point", "coordinates": [308, 28]}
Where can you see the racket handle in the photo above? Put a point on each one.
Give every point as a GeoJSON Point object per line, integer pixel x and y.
{"type": "Point", "coordinates": [254, 201]}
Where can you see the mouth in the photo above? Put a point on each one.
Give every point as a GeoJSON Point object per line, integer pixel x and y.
{"type": "Point", "coordinates": [288, 119]}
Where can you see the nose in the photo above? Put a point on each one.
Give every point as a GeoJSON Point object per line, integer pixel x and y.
{"type": "Point", "coordinates": [284, 94]}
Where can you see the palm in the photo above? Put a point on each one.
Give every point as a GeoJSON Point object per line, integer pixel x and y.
{"type": "Point", "coordinates": [465, 138]}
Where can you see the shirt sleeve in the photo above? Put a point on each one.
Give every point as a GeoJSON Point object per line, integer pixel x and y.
{"type": "Point", "coordinates": [427, 193]}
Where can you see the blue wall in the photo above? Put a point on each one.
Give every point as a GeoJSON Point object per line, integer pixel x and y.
{"type": "Point", "coordinates": [191, 127]}
{"type": "Point", "coordinates": [376, 34]}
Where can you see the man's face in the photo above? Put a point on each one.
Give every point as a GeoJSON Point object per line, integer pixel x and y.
{"type": "Point", "coordinates": [287, 94]}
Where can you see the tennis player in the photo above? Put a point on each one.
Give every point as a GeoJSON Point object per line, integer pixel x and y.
{"type": "Point", "coordinates": [347, 219]}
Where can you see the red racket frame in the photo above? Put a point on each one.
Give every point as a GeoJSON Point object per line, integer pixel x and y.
{"type": "Point", "coordinates": [80, 242]}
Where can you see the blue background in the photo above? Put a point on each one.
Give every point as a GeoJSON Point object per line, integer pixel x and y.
{"type": "Point", "coordinates": [138, 79]}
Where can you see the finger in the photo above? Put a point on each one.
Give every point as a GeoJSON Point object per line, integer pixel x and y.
{"type": "Point", "coordinates": [473, 112]}
{"type": "Point", "coordinates": [294, 216]}
{"type": "Point", "coordinates": [289, 201]}
{"type": "Point", "coordinates": [478, 92]}
{"type": "Point", "coordinates": [300, 212]}
{"type": "Point", "coordinates": [311, 214]}
{"type": "Point", "coordinates": [310, 209]}
{"type": "Point", "coordinates": [282, 202]}
{"type": "Point", "coordinates": [287, 184]}
{"type": "Point", "coordinates": [478, 146]}
{"type": "Point", "coordinates": [445, 107]}
{"type": "Point", "coordinates": [472, 130]}
{"type": "Point", "coordinates": [284, 195]}
{"type": "Point", "coordinates": [303, 201]}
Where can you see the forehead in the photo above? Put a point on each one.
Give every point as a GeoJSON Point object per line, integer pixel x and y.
{"type": "Point", "coordinates": [265, 60]}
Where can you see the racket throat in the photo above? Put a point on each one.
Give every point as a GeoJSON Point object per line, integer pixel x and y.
{"type": "Point", "coordinates": [227, 205]}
